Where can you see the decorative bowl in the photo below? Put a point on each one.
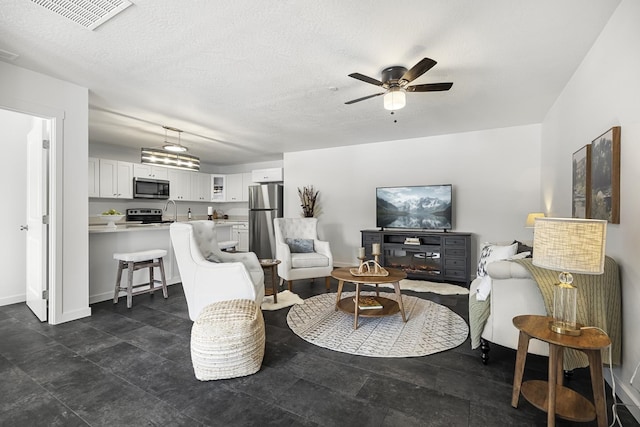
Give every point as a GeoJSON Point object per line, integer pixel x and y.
{"type": "Point", "coordinates": [111, 219]}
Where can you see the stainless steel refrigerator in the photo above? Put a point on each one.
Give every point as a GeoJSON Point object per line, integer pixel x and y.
{"type": "Point", "coordinates": [265, 204]}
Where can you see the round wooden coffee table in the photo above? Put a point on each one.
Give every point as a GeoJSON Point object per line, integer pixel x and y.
{"type": "Point", "coordinates": [389, 306]}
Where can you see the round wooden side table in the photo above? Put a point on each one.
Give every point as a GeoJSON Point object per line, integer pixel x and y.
{"type": "Point", "coordinates": [270, 265]}
{"type": "Point", "coordinates": [551, 396]}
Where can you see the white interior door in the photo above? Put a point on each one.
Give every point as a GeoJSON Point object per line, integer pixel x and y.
{"type": "Point", "coordinates": [37, 206]}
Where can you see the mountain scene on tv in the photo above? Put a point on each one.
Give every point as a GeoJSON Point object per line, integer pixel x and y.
{"type": "Point", "coordinates": [426, 207]}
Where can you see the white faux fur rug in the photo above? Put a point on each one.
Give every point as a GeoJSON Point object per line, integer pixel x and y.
{"type": "Point", "coordinates": [426, 286]}
{"type": "Point", "coordinates": [285, 299]}
{"type": "Point", "coordinates": [430, 327]}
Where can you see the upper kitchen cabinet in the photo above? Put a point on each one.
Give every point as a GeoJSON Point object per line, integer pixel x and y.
{"type": "Point", "coordinates": [218, 187]}
{"type": "Point", "coordinates": [116, 179]}
{"type": "Point", "coordinates": [247, 180]}
{"type": "Point", "coordinates": [94, 177]}
{"type": "Point", "coordinates": [234, 188]}
{"type": "Point", "coordinates": [200, 187]}
{"type": "Point", "coordinates": [179, 184]}
{"type": "Point", "coordinates": [150, 171]}
{"type": "Point", "coordinates": [267, 175]}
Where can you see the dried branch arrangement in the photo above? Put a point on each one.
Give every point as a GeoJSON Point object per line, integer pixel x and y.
{"type": "Point", "coordinates": [308, 197]}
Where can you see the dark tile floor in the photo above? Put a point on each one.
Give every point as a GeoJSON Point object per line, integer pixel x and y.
{"type": "Point", "coordinates": [132, 367]}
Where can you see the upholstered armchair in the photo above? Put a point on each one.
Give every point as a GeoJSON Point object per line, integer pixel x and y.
{"type": "Point", "coordinates": [210, 275]}
{"type": "Point", "coordinates": [302, 254]}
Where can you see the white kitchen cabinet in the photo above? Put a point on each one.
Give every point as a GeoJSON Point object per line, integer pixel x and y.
{"type": "Point", "coordinates": [218, 187]}
{"type": "Point", "coordinates": [233, 188]}
{"type": "Point", "coordinates": [240, 233]}
{"type": "Point", "coordinates": [247, 180]}
{"type": "Point", "coordinates": [94, 177]}
{"type": "Point", "coordinates": [267, 175]}
{"type": "Point", "coordinates": [179, 184]}
{"type": "Point", "coordinates": [116, 179]}
{"type": "Point", "coordinates": [150, 171]}
{"type": "Point", "coordinates": [200, 187]}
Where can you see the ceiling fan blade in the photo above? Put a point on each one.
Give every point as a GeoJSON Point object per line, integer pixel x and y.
{"type": "Point", "coordinates": [365, 79]}
{"type": "Point", "coordinates": [364, 97]}
{"type": "Point", "coordinates": [430, 87]}
{"type": "Point", "coordinates": [419, 69]}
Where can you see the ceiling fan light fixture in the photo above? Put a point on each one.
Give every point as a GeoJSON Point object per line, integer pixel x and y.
{"type": "Point", "coordinates": [395, 98]}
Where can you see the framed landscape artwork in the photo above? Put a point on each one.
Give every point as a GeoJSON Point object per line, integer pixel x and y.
{"type": "Point", "coordinates": [605, 176]}
{"type": "Point", "coordinates": [581, 183]}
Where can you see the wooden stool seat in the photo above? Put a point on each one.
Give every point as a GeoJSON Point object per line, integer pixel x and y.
{"type": "Point", "coordinates": [135, 261]}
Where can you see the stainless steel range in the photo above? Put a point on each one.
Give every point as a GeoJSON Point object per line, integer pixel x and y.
{"type": "Point", "coordinates": [146, 216]}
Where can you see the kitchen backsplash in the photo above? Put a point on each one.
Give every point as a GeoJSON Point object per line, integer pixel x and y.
{"type": "Point", "coordinates": [235, 211]}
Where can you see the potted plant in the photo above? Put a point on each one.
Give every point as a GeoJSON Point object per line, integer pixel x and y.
{"type": "Point", "coordinates": [308, 197]}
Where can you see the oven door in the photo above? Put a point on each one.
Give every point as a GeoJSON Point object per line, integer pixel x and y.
{"type": "Point", "coordinates": [144, 188]}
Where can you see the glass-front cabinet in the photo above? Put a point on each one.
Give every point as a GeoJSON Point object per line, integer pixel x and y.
{"type": "Point", "coordinates": [218, 185]}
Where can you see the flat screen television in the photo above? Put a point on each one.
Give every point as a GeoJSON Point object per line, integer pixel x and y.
{"type": "Point", "coordinates": [424, 207]}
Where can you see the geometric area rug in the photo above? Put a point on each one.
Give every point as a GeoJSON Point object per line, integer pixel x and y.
{"type": "Point", "coordinates": [430, 327]}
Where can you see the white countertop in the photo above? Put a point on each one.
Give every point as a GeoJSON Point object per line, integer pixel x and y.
{"type": "Point", "coordinates": [131, 227]}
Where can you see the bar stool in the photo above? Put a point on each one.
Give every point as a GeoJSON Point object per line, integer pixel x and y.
{"type": "Point", "coordinates": [135, 261]}
{"type": "Point", "coordinates": [228, 245]}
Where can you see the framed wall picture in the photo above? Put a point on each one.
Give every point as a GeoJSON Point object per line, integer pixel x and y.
{"type": "Point", "coordinates": [605, 176]}
{"type": "Point", "coordinates": [581, 183]}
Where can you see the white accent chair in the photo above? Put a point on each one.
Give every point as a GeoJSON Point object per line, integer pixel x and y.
{"type": "Point", "coordinates": [305, 265]}
{"type": "Point", "coordinates": [210, 275]}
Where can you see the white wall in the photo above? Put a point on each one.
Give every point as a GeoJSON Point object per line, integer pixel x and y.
{"type": "Point", "coordinates": [15, 127]}
{"type": "Point", "coordinates": [605, 92]}
{"type": "Point", "coordinates": [495, 176]}
{"type": "Point", "coordinates": [37, 94]}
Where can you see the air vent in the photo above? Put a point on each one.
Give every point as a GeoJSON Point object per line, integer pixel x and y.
{"type": "Point", "coordinates": [87, 13]}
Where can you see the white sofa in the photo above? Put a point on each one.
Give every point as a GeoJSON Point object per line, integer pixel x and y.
{"type": "Point", "coordinates": [513, 292]}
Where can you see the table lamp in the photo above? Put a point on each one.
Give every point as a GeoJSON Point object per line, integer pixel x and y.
{"type": "Point", "coordinates": [571, 246]}
{"type": "Point", "coordinates": [531, 219]}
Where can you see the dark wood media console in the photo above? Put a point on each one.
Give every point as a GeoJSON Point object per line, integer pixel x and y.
{"type": "Point", "coordinates": [436, 256]}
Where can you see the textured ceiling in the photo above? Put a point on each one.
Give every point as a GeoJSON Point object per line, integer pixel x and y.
{"type": "Point", "coordinates": [249, 80]}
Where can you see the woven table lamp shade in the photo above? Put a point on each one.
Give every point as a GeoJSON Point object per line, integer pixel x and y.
{"type": "Point", "coordinates": [568, 245]}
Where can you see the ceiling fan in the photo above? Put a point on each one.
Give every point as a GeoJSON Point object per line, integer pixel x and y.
{"type": "Point", "coordinates": [395, 81]}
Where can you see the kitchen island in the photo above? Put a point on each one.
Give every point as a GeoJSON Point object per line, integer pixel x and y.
{"type": "Point", "coordinates": [127, 237]}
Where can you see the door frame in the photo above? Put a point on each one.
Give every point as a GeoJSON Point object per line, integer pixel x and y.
{"type": "Point", "coordinates": [55, 190]}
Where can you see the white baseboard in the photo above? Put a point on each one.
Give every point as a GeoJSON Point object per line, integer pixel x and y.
{"type": "Point", "coordinates": [14, 299]}
{"type": "Point", "coordinates": [627, 394]}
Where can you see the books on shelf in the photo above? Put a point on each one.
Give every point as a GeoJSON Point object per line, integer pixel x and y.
{"type": "Point", "coordinates": [412, 241]}
{"type": "Point", "coordinates": [367, 303]}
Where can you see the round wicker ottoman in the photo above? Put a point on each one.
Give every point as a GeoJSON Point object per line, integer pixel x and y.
{"type": "Point", "coordinates": [227, 340]}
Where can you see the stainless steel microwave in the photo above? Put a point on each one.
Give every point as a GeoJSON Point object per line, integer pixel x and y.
{"type": "Point", "coordinates": [145, 188]}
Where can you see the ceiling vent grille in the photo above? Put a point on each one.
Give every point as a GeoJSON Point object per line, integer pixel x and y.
{"type": "Point", "coordinates": [87, 13]}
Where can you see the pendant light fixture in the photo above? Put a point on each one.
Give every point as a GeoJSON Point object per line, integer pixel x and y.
{"type": "Point", "coordinates": [170, 155]}
{"type": "Point", "coordinates": [169, 146]}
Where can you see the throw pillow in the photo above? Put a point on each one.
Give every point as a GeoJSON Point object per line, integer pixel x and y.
{"type": "Point", "coordinates": [300, 245]}
{"type": "Point", "coordinates": [523, 248]}
{"type": "Point", "coordinates": [491, 252]}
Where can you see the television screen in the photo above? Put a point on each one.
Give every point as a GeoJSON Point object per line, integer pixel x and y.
{"type": "Point", "coordinates": [415, 207]}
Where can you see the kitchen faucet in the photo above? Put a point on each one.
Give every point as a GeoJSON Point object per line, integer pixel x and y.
{"type": "Point", "coordinates": [175, 209]}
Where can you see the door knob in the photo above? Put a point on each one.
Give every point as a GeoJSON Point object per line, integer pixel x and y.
{"type": "Point", "coordinates": [24, 227]}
